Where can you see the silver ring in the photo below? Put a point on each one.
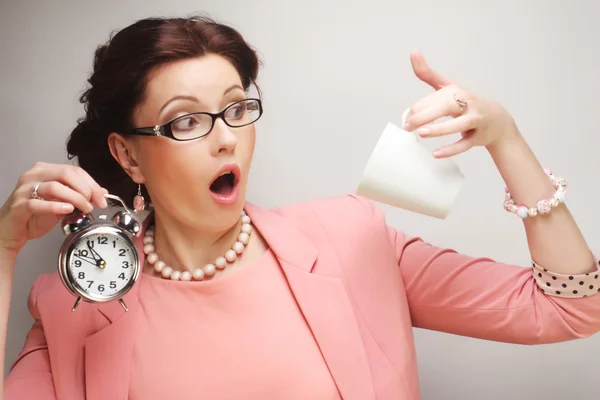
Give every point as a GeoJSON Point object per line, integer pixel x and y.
{"type": "Point", "coordinates": [34, 191]}
{"type": "Point", "coordinates": [462, 104]}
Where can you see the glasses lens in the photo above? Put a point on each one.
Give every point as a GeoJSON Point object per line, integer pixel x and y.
{"type": "Point", "coordinates": [243, 113]}
{"type": "Point", "coordinates": [191, 126]}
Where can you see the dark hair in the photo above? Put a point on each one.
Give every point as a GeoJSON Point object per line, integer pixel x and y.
{"type": "Point", "coordinates": [118, 81]}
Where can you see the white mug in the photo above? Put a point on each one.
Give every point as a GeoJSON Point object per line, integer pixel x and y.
{"type": "Point", "coordinates": [403, 173]}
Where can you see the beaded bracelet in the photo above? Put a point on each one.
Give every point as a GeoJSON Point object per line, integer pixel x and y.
{"type": "Point", "coordinates": [543, 207]}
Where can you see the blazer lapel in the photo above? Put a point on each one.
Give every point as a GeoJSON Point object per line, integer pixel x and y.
{"type": "Point", "coordinates": [323, 301]}
{"type": "Point", "coordinates": [108, 357]}
{"type": "Point", "coordinates": [108, 352]}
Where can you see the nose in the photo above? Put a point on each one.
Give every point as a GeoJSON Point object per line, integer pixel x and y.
{"type": "Point", "coordinates": [224, 140]}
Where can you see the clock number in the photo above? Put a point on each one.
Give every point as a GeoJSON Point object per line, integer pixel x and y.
{"type": "Point", "coordinates": [81, 275]}
{"type": "Point", "coordinates": [102, 240]}
{"type": "Point", "coordinates": [125, 264]}
{"type": "Point", "coordinates": [101, 288]}
{"type": "Point", "coordinates": [114, 244]}
{"type": "Point", "coordinates": [122, 276]}
{"type": "Point", "coordinates": [90, 243]}
{"type": "Point", "coordinates": [113, 284]}
{"type": "Point", "coordinates": [90, 284]}
{"type": "Point", "coordinates": [83, 253]}
{"type": "Point", "coordinates": [122, 252]}
{"type": "Point", "coordinates": [77, 263]}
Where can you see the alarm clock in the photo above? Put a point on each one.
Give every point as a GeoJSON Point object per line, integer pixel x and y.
{"type": "Point", "coordinates": [98, 261]}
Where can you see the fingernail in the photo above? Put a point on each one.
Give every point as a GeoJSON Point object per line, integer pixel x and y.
{"type": "Point", "coordinates": [406, 126]}
{"type": "Point", "coordinates": [103, 202]}
{"type": "Point", "coordinates": [89, 208]}
{"type": "Point", "coordinates": [424, 131]}
{"type": "Point", "coordinates": [67, 208]}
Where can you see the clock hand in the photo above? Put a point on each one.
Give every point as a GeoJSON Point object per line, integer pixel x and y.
{"type": "Point", "coordinates": [100, 263]}
{"type": "Point", "coordinates": [87, 257]}
{"type": "Point", "coordinates": [92, 252]}
{"type": "Point", "coordinates": [87, 260]}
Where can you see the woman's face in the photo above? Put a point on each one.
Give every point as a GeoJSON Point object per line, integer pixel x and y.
{"type": "Point", "coordinates": [180, 176]}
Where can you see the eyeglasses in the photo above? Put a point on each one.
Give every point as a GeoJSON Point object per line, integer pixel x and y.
{"type": "Point", "coordinates": [195, 125]}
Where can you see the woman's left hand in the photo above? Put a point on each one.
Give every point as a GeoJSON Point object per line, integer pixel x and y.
{"type": "Point", "coordinates": [480, 121]}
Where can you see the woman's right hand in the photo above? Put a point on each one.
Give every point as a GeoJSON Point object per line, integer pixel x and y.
{"type": "Point", "coordinates": [62, 187]}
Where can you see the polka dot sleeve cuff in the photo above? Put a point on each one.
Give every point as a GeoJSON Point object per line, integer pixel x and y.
{"type": "Point", "coordinates": [572, 286]}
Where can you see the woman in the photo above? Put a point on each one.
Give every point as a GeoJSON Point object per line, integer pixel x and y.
{"type": "Point", "coordinates": [311, 301]}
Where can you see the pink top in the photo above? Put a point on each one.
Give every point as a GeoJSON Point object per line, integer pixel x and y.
{"type": "Point", "coordinates": [243, 337]}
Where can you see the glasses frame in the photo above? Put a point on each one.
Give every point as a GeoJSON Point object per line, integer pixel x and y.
{"type": "Point", "coordinates": [166, 131]}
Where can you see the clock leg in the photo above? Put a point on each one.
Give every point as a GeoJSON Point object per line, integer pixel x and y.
{"type": "Point", "coordinates": [123, 304]}
{"type": "Point", "coordinates": [76, 303]}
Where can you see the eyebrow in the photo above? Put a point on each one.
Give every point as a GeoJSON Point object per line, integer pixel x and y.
{"type": "Point", "coordinates": [194, 99]}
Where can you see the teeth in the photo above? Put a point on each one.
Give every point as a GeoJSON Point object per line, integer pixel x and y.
{"type": "Point", "coordinates": [225, 173]}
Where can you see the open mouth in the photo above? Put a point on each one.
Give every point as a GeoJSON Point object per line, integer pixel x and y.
{"type": "Point", "coordinates": [226, 180]}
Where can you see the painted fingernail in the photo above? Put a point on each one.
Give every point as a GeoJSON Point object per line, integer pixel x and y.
{"type": "Point", "coordinates": [424, 131]}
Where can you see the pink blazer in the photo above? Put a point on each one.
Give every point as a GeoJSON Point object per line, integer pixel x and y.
{"type": "Point", "coordinates": [361, 286]}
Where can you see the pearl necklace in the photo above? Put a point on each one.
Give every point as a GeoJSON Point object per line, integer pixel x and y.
{"type": "Point", "coordinates": [209, 269]}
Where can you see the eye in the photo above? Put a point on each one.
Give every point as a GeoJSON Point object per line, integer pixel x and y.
{"type": "Point", "coordinates": [237, 111]}
{"type": "Point", "coordinates": [186, 123]}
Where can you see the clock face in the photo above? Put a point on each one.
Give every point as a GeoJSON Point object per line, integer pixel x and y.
{"type": "Point", "coordinates": [102, 264]}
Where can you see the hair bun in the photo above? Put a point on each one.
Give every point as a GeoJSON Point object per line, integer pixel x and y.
{"type": "Point", "coordinates": [82, 139]}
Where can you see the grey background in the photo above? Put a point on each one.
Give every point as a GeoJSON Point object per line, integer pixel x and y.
{"type": "Point", "coordinates": [335, 72]}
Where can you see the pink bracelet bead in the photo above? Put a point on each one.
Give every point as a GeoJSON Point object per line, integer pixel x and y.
{"type": "Point", "coordinates": [543, 207]}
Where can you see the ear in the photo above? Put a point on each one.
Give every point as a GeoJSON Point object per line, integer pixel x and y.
{"type": "Point", "coordinates": [125, 151]}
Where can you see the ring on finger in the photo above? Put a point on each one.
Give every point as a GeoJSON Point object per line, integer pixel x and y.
{"type": "Point", "coordinates": [34, 191]}
{"type": "Point", "coordinates": [461, 103]}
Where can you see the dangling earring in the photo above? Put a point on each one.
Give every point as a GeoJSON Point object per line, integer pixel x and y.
{"type": "Point", "coordinates": [138, 201]}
